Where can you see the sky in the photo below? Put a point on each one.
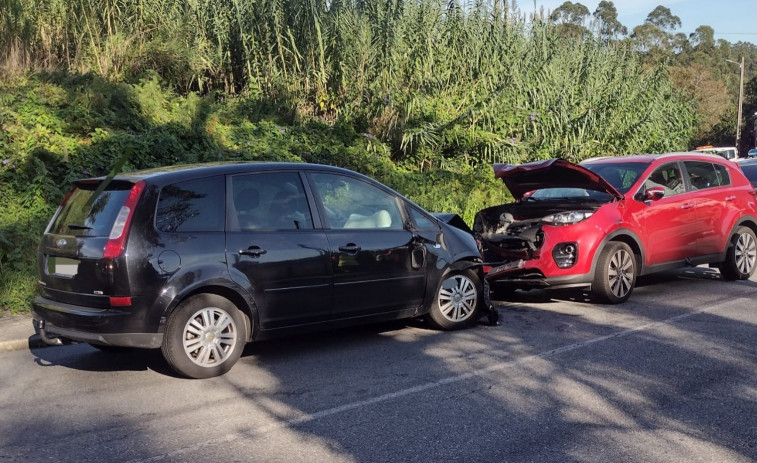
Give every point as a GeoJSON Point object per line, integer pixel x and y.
{"type": "Point", "coordinates": [732, 20]}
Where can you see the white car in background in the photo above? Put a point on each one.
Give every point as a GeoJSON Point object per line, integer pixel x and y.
{"type": "Point", "coordinates": [728, 152]}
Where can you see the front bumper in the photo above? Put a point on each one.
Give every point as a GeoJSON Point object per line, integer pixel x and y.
{"type": "Point", "coordinates": [113, 327]}
{"type": "Point", "coordinates": [503, 282]}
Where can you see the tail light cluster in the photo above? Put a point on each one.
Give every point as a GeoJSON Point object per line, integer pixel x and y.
{"type": "Point", "coordinates": [120, 231]}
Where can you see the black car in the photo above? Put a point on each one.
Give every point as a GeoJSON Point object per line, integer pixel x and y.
{"type": "Point", "coordinates": [198, 260]}
{"type": "Point", "coordinates": [749, 167]}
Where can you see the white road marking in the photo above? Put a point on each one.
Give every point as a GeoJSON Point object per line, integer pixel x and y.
{"type": "Point", "coordinates": [309, 417]}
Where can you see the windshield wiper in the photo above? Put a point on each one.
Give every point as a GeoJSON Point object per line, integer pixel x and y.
{"type": "Point", "coordinates": [74, 226]}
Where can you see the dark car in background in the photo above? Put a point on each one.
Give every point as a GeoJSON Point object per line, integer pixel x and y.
{"type": "Point", "coordinates": [199, 260]}
{"type": "Point", "coordinates": [749, 167]}
{"type": "Point", "coordinates": [600, 224]}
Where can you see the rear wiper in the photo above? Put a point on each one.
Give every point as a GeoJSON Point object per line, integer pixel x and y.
{"type": "Point", "coordinates": [74, 226]}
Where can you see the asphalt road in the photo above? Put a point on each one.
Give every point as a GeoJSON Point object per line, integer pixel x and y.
{"type": "Point", "coordinates": [670, 376]}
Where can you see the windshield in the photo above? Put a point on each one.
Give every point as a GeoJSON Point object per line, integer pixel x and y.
{"type": "Point", "coordinates": [76, 219]}
{"type": "Point", "coordinates": [621, 175]}
{"type": "Point", "coordinates": [563, 194]}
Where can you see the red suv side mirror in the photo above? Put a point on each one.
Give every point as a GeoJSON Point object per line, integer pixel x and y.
{"type": "Point", "coordinates": [654, 193]}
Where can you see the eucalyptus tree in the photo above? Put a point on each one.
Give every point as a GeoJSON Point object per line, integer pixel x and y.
{"type": "Point", "coordinates": [703, 38]}
{"type": "Point", "coordinates": [608, 25]}
{"type": "Point", "coordinates": [656, 37]}
{"type": "Point", "coordinates": [570, 18]}
{"type": "Point", "coordinates": [664, 19]}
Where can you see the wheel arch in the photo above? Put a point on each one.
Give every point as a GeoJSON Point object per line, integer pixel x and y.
{"type": "Point", "coordinates": [233, 293]}
{"type": "Point", "coordinates": [473, 263]}
{"type": "Point", "coordinates": [745, 221]}
{"type": "Point", "coordinates": [625, 236]}
{"type": "Point", "coordinates": [464, 264]}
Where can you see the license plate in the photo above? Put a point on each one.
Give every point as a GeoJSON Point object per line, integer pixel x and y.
{"type": "Point", "coordinates": [62, 266]}
{"type": "Point", "coordinates": [508, 266]}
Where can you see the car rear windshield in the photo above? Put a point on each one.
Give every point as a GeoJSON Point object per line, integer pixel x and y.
{"type": "Point", "coordinates": [78, 219]}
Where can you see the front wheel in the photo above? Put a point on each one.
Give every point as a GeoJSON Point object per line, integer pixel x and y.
{"type": "Point", "coordinates": [204, 336]}
{"type": "Point", "coordinates": [741, 255]}
{"type": "Point", "coordinates": [457, 302]}
{"type": "Point", "coordinates": [615, 276]}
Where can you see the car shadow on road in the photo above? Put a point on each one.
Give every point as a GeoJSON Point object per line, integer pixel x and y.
{"type": "Point", "coordinates": [87, 358]}
{"type": "Point", "coordinates": [646, 282]}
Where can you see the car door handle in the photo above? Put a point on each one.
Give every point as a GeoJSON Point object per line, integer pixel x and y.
{"type": "Point", "coordinates": [730, 198]}
{"type": "Point", "coordinates": [350, 248]}
{"type": "Point", "coordinates": [687, 206]}
{"type": "Point", "coordinates": [253, 251]}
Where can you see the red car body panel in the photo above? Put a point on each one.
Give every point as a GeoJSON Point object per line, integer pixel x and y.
{"type": "Point", "coordinates": [682, 228]}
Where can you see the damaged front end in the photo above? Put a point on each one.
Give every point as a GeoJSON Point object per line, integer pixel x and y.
{"type": "Point", "coordinates": [511, 235]}
{"type": "Point", "coordinates": [524, 243]}
{"type": "Point", "coordinates": [503, 237]}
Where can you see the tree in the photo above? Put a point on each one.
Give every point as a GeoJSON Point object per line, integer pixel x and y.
{"type": "Point", "coordinates": [607, 18]}
{"type": "Point", "coordinates": [662, 18]}
{"type": "Point", "coordinates": [570, 13]}
{"type": "Point", "coordinates": [651, 39]}
{"type": "Point", "coordinates": [655, 37]}
{"type": "Point", "coordinates": [749, 130]}
{"type": "Point", "coordinates": [703, 38]}
{"type": "Point", "coordinates": [699, 83]}
{"type": "Point", "coordinates": [570, 18]}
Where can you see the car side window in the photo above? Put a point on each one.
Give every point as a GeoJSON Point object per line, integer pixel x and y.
{"type": "Point", "coordinates": [667, 176]}
{"type": "Point", "coordinates": [191, 206]}
{"type": "Point", "coordinates": [422, 221]}
{"type": "Point", "coordinates": [706, 174]}
{"type": "Point", "coordinates": [269, 201]}
{"type": "Point", "coordinates": [353, 203]}
{"type": "Point", "coordinates": [721, 174]}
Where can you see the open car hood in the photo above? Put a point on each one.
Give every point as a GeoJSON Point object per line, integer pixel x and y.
{"type": "Point", "coordinates": [552, 173]}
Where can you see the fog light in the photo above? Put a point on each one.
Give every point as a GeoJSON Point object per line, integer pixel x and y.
{"type": "Point", "coordinates": [565, 254]}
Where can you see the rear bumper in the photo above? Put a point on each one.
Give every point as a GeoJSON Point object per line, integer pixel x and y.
{"type": "Point", "coordinates": [114, 327]}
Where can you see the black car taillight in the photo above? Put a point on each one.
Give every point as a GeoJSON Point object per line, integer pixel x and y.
{"type": "Point", "coordinates": [120, 230]}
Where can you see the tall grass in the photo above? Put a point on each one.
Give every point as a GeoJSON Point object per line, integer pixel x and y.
{"type": "Point", "coordinates": [442, 82]}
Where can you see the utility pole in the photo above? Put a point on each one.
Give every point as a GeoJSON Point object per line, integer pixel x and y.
{"type": "Point", "coordinates": [741, 100]}
{"type": "Point", "coordinates": [741, 104]}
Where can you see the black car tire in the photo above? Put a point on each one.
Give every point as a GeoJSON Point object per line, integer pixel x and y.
{"type": "Point", "coordinates": [741, 255]}
{"type": "Point", "coordinates": [615, 275]}
{"type": "Point", "coordinates": [204, 336]}
{"type": "Point", "coordinates": [458, 301]}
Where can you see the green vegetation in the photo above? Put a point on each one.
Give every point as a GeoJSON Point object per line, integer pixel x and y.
{"type": "Point", "coordinates": [421, 94]}
{"type": "Point", "coordinates": [58, 127]}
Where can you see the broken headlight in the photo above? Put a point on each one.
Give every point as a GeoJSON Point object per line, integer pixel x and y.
{"type": "Point", "coordinates": [567, 218]}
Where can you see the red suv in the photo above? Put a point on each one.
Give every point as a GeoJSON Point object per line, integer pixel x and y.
{"type": "Point", "coordinates": [604, 222]}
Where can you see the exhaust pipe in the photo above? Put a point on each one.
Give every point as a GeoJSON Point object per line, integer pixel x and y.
{"type": "Point", "coordinates": [52, 341]}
